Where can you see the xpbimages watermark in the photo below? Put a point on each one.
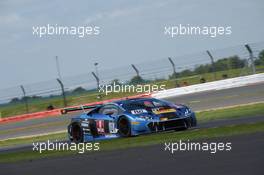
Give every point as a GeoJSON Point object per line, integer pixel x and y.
{"type": "Point", "coordinates": [212, 147]}
{"type": "Point", "coordinates": [58, 30]}
{"type": "Point", "coordinates": [64, 146]}
{"type": "Point", "coordinates": [127, 88]}
{"type": "Point", "coordinates": [183, 30]}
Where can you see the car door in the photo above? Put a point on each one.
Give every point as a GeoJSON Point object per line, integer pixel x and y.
{"type": "Point", "coordinates": [110, 110]}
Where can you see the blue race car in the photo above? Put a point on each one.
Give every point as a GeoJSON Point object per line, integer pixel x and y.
{"type": "Point", "coordinates": [130, 117]}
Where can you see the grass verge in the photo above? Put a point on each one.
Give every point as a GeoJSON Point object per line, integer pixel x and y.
{"type": "Point", "coordinates": [250, 110]}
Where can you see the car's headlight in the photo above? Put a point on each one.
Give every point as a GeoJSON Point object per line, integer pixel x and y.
{"type": "Point", "coordinates": [188, 111]}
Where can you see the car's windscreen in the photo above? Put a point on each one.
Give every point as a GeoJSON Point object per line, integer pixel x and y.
{"type": "Point", "coordinates": [147, 105]}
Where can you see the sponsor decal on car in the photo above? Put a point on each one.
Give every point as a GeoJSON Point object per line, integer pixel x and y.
{"type": "Point", "coordinates": [162, 111]}
{"type": "Point", "coordinates": [112, 127]}
{"type": "Point", "coordinates": [135, 123]}
{"type": "Point", "coordinates": [139, 111]}
{"type": "Point", "coordinates": [100, 126]}
{"type": "Point", "coordinates": [163, 119]}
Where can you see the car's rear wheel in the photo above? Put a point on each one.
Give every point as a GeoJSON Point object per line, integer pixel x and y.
{"type": "Point", "coordinates": [77, 133]}
{"type": "Point", "coordinates": [124, 127]}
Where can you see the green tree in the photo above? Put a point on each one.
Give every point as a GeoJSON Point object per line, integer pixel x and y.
{"type": "Point", "coordinates": [174, 75]}
{"type": "Point", "coordinates": [14, 100]}
{"type": "Point", "coordinates": [186, 72]}
{"type": "Point", "coordinates": [78, 90]}
{"type": "Point", "coordinates": [203, 69]}
{"type": "Point", "coordinates": [115, 81]}
{"type": "Point", "coordinates": [236, 62]}
{"type": "Point", "coordinates": [137, 80]}
{"type": "Point", "coordinates": [260, 60]}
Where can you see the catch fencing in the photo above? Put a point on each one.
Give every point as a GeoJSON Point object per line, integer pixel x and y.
{"type": "Point", "coordinates": [173, 71]}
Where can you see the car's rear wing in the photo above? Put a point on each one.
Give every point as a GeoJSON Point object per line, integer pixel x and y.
{"type": "Point", "coordinates": [78, 108]}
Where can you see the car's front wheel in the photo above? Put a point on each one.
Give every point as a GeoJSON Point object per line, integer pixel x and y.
{"type": "Point", "coordinates": [185, 126]}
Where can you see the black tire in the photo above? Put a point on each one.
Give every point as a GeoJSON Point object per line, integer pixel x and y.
{"type": "Point", "coordinates": [184, 127]}
{"type": "Point", "coordinates": [77, 133]}
{"type": "Point", "coordinates": [124, 127]}
{"type": "Point", "coordinates": [194, 122]}
{"type": "Point", "coordinates": [93, 129]}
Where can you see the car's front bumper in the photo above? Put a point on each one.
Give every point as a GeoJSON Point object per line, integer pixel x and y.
{"type": "Point", "coordinates": [141, 127]}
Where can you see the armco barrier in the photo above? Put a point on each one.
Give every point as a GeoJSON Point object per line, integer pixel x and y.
{"type": "Point", "coordinates": [42, 114]}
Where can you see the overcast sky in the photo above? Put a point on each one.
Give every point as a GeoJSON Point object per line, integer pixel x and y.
{"type": "Point", "coordinates": [131, 32]}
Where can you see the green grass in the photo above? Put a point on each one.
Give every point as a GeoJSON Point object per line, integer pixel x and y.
{"type": "Point", "coordinates": [34, 127]}
{"type": "Point", "coordinates": [234, 112]}
{"type": "Point", "coordinates": [30, 140]}
{"type": "Point", "coordinates": [145, 140]}
{"type": "Point", "coordinates": [41, 105]}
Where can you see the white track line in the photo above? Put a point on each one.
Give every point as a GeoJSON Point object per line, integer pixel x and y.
{"type": "Point", "coordinates": [34, 135]}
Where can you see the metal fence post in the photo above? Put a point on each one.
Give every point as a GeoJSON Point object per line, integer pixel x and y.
{"type": "Point", "coordinates": [174, 72]}
{"type": "Point", "coordinates": [251, 58]}
{"type": "Point", "coordinates": [134, 67]}
{"type": "Point", "coordinates": [25, 98]}
{"type": "Point", "coordinates": [63, 92]}
{"type": "Point", "coordinates": [97, 80]}
{"type": "Point", "coordinates": [213, 64]}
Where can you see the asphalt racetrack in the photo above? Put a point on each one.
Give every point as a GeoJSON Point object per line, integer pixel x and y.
{"type": "Point", "coordinates": [246, 157]}
{"type": "Point", "coordinates": [198, 101]}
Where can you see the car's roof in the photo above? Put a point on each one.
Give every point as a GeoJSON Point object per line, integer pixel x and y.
{"type": "Point", "coordinates": [131, 100]}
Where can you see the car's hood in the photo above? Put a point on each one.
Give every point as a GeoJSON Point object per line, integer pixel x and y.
{"type": "Point", "coordinates": [171, 111]}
